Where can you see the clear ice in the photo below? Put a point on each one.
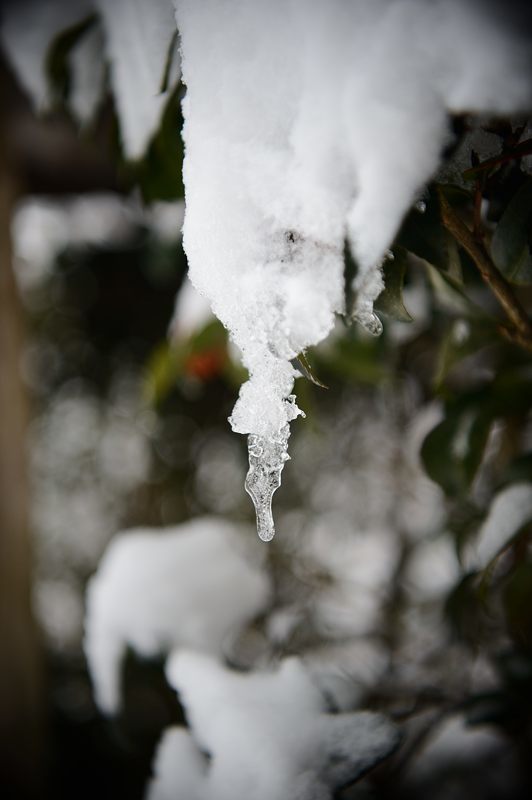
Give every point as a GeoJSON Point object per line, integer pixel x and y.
{"type": "Point", "coordinates": [267, 457]}
{"type": "Point", "coordinates": [369, 320]}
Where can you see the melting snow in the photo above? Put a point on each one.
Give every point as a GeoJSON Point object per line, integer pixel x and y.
{"type": "Point", "coordinates": [306, 124]}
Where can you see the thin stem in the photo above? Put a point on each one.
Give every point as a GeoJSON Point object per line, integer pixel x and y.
{"type": "Point", "coordinates": [520, 329]}
{"type": "Point", "coordinates": [521, 150]}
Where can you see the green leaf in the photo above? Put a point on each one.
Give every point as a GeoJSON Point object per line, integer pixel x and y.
{"type": "Point", "coordinates": [390, 301]}
{"type": "Point", "coordinates": [424, 235]}
{"type": "Point", "coordinates": [512, 240]}
{"type": "Point", "coordinates": [517, 598]}
{"type": "Point", "coordinates": [450, 294]}
{"type": "Point", "coordinates": [354, 358]}
{"type": "Point", "coordinates": [453, 451]}
{"type": "Point", "coordinates": [462, 340]}
{"type": "Point", "coordinates": [159, 173]}
{"type": "Point", "coordinates": [301, 363]}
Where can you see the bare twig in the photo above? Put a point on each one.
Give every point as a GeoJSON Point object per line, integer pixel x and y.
{"type": "Point", "coordinates": [519, 329]}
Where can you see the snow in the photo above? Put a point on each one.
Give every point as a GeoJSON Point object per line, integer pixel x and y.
{"type": "Point", "coordinates": [192, 312]}
{"type": "Point", "coordinates": [192, 585]}
{"type": "Point", "coordinates": [27, 30]}
{"type": "Point", "coordinates": [306, 124]}
{"type": "Point", "coordinates": [509, 511]}
{"type": "Point", "coordinates": [138, 35]}
{"type": "Point", "coordinates": [266, 734]}
{"type": "Point", "coordinates": [179, 768]}
{"type": "Point", "coordinates": [87, 70]}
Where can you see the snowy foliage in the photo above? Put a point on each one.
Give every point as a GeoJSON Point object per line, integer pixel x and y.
{"type": "Point", "coordinates": [139, 35]}
{"type": "Point", "coordinates": [136, 37]}
{"type": "Point", "coordinates": [191, 585]}
{"type": "Point", "coordinates": [510, 510]}
{"type": "Point", "coordinates": [306, 124]}
{"type": "Point", "coordinates": [267, 734]}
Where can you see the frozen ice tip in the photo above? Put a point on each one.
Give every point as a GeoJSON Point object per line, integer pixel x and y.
{"type": "Point", "coordinates": [267, 457]}
{"type": "Point", "coordinates": [369, 321]}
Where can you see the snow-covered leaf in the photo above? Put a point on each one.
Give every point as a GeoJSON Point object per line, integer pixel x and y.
{"type": "Point", "coordinates": [304, 124]}
{"type": "Point", "coordinates": [267, 734]}
{"type": "Point", "coordinates": [139, 34]}
{"type": "Point", "coordinates": [390, 301]}
{"type": "Point", "coordinates": [191, 585]}
{"type": "Point", "coordinates": [28, 28]}
{"type": "Point", "coordinates": [510, 510]}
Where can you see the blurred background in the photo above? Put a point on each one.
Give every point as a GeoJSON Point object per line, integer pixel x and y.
{"type": "Point", "coordinates": [115, 387]}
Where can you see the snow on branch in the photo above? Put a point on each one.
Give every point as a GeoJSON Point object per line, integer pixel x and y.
{"type": "Point", "coordinates": [193, 585]}
{"type": "Point", "coordinates": [267, 735]}
{"type": "Point", "coordinates": [306, 124]}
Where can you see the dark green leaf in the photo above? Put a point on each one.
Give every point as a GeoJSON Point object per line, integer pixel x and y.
{"type": "Point", "coordinates": [517, 599]}
{"type": "Point", "coordinates": [424, 235]}
{"type": "Point", "coordinates": [453, 450]}
{"type": "Point", "coordinates": [301, 363]}
{"type": "Point", "coordinates": [159, 173]}
{"type": "Point", "coordinates": [511, 242]}
{"type": "Point", "coordinates": [462, 340]}
{"type": "Point", "coordinates": [390, 300]}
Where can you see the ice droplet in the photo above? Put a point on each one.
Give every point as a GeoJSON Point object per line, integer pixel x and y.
{"type": "Point", "coordinates": [267, 457]}
{"type": "Point", "coordinates": [369, 320]}
{"type": "Point", "coordinates": [420, 206]}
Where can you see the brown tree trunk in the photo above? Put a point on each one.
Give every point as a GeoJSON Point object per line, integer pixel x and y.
{"type": "Point", "coordinates": [20, 664]}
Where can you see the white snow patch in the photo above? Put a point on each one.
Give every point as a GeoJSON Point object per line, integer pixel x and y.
{"type": "Point", "coordinates": [306, 123]}
{"type": "Point", "coordinates": [509, 511]}
{"type": "Point", "coordinates": [28, 27]}
{"type": "Point", "coordinates": [138, 34]}
{"type": "Point", "coordinates": [191, 312]}
{"type": "Point", "coordinates": [178, 769]}
{"type": "Point", "coordinates": [266, 733]}
{"type": "Point", "coordinates": [192, 585]}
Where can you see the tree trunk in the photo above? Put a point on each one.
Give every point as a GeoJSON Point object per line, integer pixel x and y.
{"type": "Point", "coordinates": [20, 663]}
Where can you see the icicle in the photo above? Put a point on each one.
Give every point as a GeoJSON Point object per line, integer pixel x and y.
{"type": "Point", "coordinates": [266, 461]}
{"type": "Point", "coordinates": [369, 321]}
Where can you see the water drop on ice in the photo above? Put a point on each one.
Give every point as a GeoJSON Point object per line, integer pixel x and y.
{"type": "Point", "coordinates": [420, 206]}
{"type": "Point", "coordinates": [267, 457]}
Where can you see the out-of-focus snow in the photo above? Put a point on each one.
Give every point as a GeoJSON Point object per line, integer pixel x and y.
{"type": "Point", "coordinates": [266, 733]}
{"type": "Point", "coordinates": [134, 36]}
{"type": "Point", "coordinates": [42, 227]}
{"type": "Point", "coordinates": [179, 768]}
{"type": "Point", "coordinates": [87, 69]}
{"type": "Point", "coordinates": [192, 312]}
{"type": "Point", "coordinates": [509, 511]}
{"type": "Point", "coordinates": [27, 29]}
{"type": "Point", "coordinates": [138, 35]}
{"type": "Point", "coordinates": [193, 585]}
{"type": "Point", "coordinates": [306, 123]}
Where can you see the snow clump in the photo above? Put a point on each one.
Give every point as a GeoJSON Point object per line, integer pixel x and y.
{"type": "Point", "coordinates": [267, 734]}
{"type": "Point", "coordinates": [308, 124]}
{"type": "Point", "coordinates": [192, 585]}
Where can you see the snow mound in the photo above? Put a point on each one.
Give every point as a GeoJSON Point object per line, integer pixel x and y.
{"type": "Point", "coordinates": [193, 585]}
{"type": "Point", "coordinates": [266, 733]}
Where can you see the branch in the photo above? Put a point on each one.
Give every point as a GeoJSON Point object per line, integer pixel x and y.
{"type": "Point", "coordinates": [521, 150]}
{"type": "Point", "coordinates": [519, 330]}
